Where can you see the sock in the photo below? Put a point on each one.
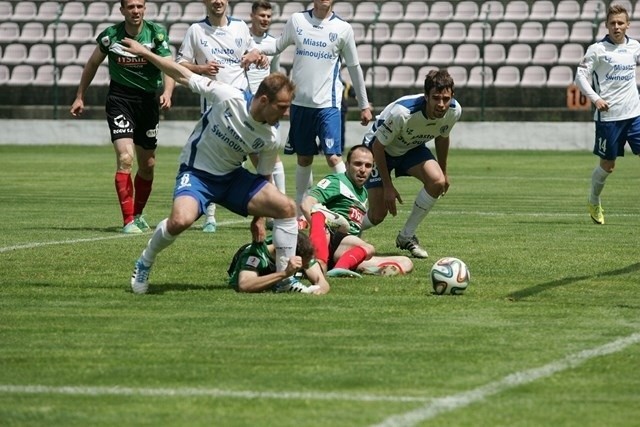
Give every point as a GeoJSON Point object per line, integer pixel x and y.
{"type": "Point", "coordinates": [285, 240]}
{"type": "Point", "coordinates": [142, 190]}
{"type": "Point", "coordinates": [278, 177]}
{"type": "Point", "coordinates": [598, 176]}
{"type": "Point", "coordinates": [124, 189]}
{"type": "Point", "coordinates": [318, 237]}
{"type": "Point", "coordinates": [339, 167]}
{"type": "Point", "coordinates": [160, 240]}
{"type": "Point", "coordinates": [352, 258]}
{"type": "Point", "coordinates": [421, 207]}
{"type": "Point", "coordinates": [366, 223]}
{"type": "Point", "coordinates": [211, 212]}
{"type": "Point", "coordinates": [303, 182]}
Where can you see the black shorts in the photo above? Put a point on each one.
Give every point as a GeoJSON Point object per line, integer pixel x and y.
{"type": "Point", "coordinates": [335, 238]}
{"type": "Point", "coordinates": [132, 113]}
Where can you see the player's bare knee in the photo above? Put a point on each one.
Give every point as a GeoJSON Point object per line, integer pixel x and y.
{"type": "Point", "coordinates": [369, 249]}
{"type": "Point", "coordinates": [125, 161]}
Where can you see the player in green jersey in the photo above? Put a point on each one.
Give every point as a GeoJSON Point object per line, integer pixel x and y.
{"type": "Point", "coordinates": [344, 194]}
{"type": "Point", "coordinates": [132, 109]}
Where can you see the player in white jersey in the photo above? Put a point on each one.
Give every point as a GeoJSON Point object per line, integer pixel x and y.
{"type": "Point", "coordinates": [398, 140]}
{"type": "Point", "coordinates": [214, 47]}
{"type": "Point", "coordinates": [611, 66]}
{"type": "Point", "coordinates": [321, 38]}
{"type": "Point", "coordinates": [211, 163]}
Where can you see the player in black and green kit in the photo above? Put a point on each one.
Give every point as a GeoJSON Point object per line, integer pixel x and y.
{"type": "Point", "coordinates": [131, 107]}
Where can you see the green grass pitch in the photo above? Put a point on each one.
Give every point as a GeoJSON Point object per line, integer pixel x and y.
{"type": "Point", "coordinates": [548, 333]}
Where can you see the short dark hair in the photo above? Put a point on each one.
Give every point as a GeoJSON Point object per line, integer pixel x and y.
{"type": "Point", "coordinates": [438, 79]}
{"type": "Point", "coordinates": [122, 2]}
{"type": "Point", "coordinates": [357, 147]}
{"type": "Point", "coordinates": [617, 9]}
{"type": "Point", "coordinates": [305, 249]}
{"type": "Point", "coordinates": [274, 83]}
{"type": "Point", "coordinates": [260, 4]}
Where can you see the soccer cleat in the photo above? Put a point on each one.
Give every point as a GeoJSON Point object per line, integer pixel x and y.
{"type": "Point", "coordinates": [209, 227]}
{"type": "Point", "coordinates": [343, 272]}
{"type": "Point", "coordinates": [291, 284]}
{"type": "Point", "coordinates": [384, 269]}
{"type": "Point", "coordinates": [141, 223]}
{"type": "Point", "coordinates": [140, 277]}
{"type": "Point", "coordinates": [596, 213]}
{"type": "Point", "coordinates": [412, 245]}
{"type": "Point", "coordinates": [131, 228]}
{"type": "Point", "coordinates": [333, 220]}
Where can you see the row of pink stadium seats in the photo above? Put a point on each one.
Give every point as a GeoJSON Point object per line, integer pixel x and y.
{"type": "Point", "coordinates": [27, 75]}
{"type": "Point", "coordinates": [365, 11]}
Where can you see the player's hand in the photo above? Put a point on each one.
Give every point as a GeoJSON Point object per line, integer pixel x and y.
{"type": "Point", "coordinates": [133, 46]}
{"type": "Point", "coordinates": [211, 68]}
{"type": "Point", "coordinates": [77, 108]}
{"type": "Point", "coordinates": [258, 229]}
{"type": "Point", "coordinates": [365, 116]}
{"type": "Point", "coordinates": [390, 197]}
{"type": "Point", "coordinates": [253, 57]}
{"type": "Point", "coordinates": [165, 101]}
{"type": "Point", "coordinates": [446, 185]}
{"type": "Point", "coordinates": [293, 265]}
{"type": "Point", "coordinates": [601, 105]}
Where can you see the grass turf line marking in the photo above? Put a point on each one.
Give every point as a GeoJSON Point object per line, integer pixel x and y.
{"type": "Point", "coordinates": [88, 239]}
{"type": "Point", "coordinates": [200, 392]}
{"type": "Point", "coordinates": [441, 405]}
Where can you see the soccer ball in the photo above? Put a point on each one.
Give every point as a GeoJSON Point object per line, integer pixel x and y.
{"type": "Point", "coordinates": [450, 276]}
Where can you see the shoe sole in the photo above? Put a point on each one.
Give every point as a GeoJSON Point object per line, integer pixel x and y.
{"type": "Point", "coordinates": [595, 221]}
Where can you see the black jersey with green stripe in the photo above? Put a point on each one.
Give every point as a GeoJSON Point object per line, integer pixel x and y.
{"type": "Point", "coordinates": [128, 69]}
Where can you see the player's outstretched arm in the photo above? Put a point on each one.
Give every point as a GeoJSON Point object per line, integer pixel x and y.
{"type": "Point", "coordinates": [166, 64]}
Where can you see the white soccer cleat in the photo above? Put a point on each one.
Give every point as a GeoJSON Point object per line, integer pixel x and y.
{"type": "Point", "coordinates": [333, 220]}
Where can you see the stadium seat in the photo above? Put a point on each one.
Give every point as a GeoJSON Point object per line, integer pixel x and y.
{"type": "Point", "coordinates": [21, 75]}
{"type": "Point", "coordinates": [591, 8]}
{"type": "Point", "coordinates": [241, 10]}
{"type": "Point", "coordinates": [59, 31]}
{"type": "Point", "coordinates": [39, 54]}
{"type": "Point", "coordinates": [359, 31]}
{"type": "Point", "coordinates": [177, 31]}
{"type": "Point", "coordinates": [516, 10]}
{"type": "Point", "coordinates": [24, 11]}
{"type": "Point", "coordinates": [416, 11]}
{"type": "Point", "coordinates": [377, 76]}
{"type": "Point", "coordinates": [567, 10]}
{"type": "Point", "coordinates": [366, 53]}
{"type": "Point", "coordinates": [290, 8]}
{"type": "Point", "coordinates": [478, 32]}
{"type": "Point", "coordinates": [70, 75]}
{"type": "Point", "coordinates": [4, 74]}
{"type": "Point", "coordinates": [73, 11]}
{"type": "Point", "coordinates": [441, 54]}
{"type": "Point", "coordinates": [459, 75]}
{"type": "Point", "coordinates": [169, 12]}
{"type": "Point", "coordinates": [45, 76]}
{"type": "Point", "coordinates": [276, 28]}
{"type": "Point", "coordinates": [453, 32]}
{"type": "Point", "coordinates": [14, 54]}
{"type": "Point", "coordinates": [365, 11]}
{"type": "Point", "coordinates": [391, 11]}
{"type": "Point", "coordinates": [97, 11]}
{"type": "Point", "coordinates": [428, 33]}
{"type": "Point", "coordinates": [492, 10]}
{"type": "Point", "coordinates": [48, 11]}
{"type": "Point", "coordinates": [556, 32]}
{"type": "Point", "coordinates": [560, 76]}
{"type": "Point", "coordinates": [403, 33]}
{"type": "Point", "coordinates": [467, 54]}
{"type": "Point", "coordinates": [116, 16]}
{"type": "Point", "coordinates": [571, 54]}
{"type": "Point", "coordinates": [344, 10]}
{"type": "Point", "coordinates": [633, 31]}
{"type": "Point", "coordinates": [390, 54]}
{"type": "Point", "coordinates": [531, 32]}
{"type": "Point", "coordinates": [507, 76]}
{"type": "Point", "coordinates": [9, 32]}
{"type": "Point", "coordinates": [505, 32]}
{"type": "Point", "coordinates": [66, 54]}
{"type": "Point", "coordinates": [494, 54]}
{"type": "Point", "coordinates": [379, 33]}
{"type": "Point", "coordinates": [84, 53]}
{"type": "Point", "coordinates": [80, 33]}
{"type": "Point", "coordinates": [194, 12]}
{"type": "Point", "coordinates": [422, 73]}
{"type": "Point", "coordinates": [6, 10]}
{"type": "Point", "coordinates": [534, 76]}
{"type": "Point", "coordinates": [466, 11]}
{"type": "Point", "coordinates": [545, 54]}
{"type": "Point", "coordinates": [32, 32]}
{"type": "Point", "coordinates": [542, 10]}
{"type": "Point", "coordinates": [415, 54]}
{"type": "Point", "coordinates": [100, 28]}
{"type": "Point", "coordinates": [441, 11]}
{"type": "Point", "coordinates": [582, 32]}
{"type": "Point", "coordinates": [477, 74]}
{"type": "Point", "coordinates": [519, 54]}
{"type": "Point", "coordinates": [402, 76]}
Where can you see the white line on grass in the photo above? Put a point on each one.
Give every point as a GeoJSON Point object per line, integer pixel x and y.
{"type": "Point", "coordinates": [440, 405]}
{"type": "Point", "coordinates": [88, 239]}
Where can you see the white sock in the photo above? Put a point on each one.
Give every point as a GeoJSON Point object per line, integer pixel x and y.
{"type": "Point", "coordinates": [211, 212]}
{"type": "Point", "coordinates": [339, 167]}
{"type": "Point", "coordinates": [366, 223]}
{"type": "Point", "coordinates": [598, 176]}
{"type": "Point", "coordinates": [278, 177]}
{"type": "Point", "coordinates": [285, 239]}
{"type": "Point", "coordinates": [160, 240]}
{"type": "Point", "coordinates": [304, 176]}
{"type": "Point", "coordinates": [421, 207]}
